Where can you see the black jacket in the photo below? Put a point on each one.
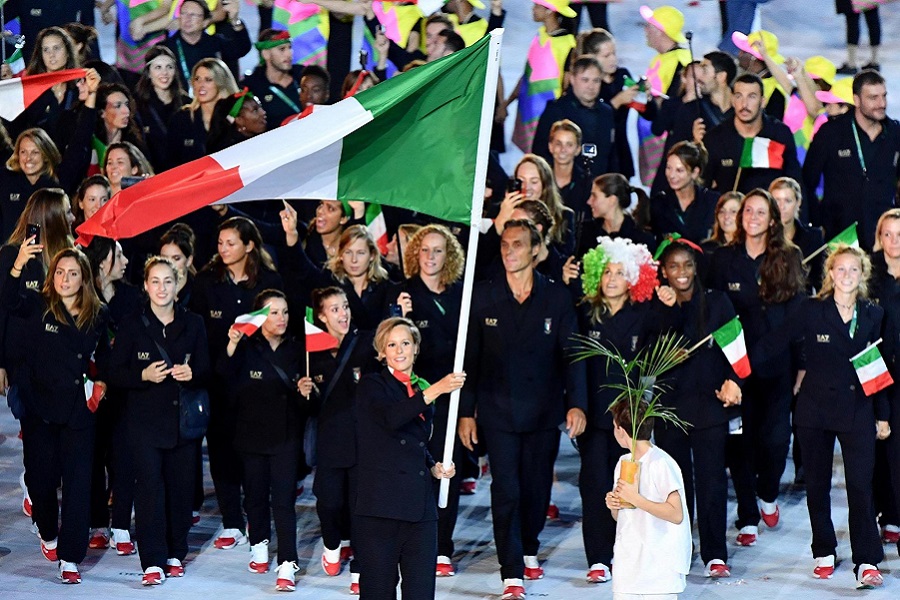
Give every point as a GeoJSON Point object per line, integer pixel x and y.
{"type": "Point", "coordinates": [831, 396]}
{"type": "Point", "coordinates": [185, 137]}
{"type": "Point", "coordinates": [623, 148]}
{"type": "Point", "coordinates": [227, 44]}
{"type": "Point", "coordinates": [725, 145]}
{"type": "Point", "coordinates": [277, 110]}
{"type": "Point", "coordinates": [598, 126]}
{"type": "Point", "coordinates": [336, 429]}
{"type": "Point", "coordinates": [56, 357]}
{"type": "Point", "coordinates": [520, 376]}
{"type": "Point", "coordinates": [695, 223]}
{"type": "Point", "coordinates": [151, 409]}
{"type": "Point", "coordinates": [592, 229]}
{"type": "Point", "coordinates": [394, 478]}
{"type": "Point", "coordinates": [269, 411]}
{"type": "Point", "coordinates": [851, 194]}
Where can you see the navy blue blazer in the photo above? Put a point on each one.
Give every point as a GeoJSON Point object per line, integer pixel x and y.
{"type": "Point", "coordinates": [520, 377]}
{"type": "Point", "coordinates": [394, 475]}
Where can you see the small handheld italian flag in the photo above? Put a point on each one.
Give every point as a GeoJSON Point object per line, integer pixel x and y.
{"type": "Point", "coordinates": [730, 337]}
{"type": "Point", "coordinates": [251, 322]}
{"type": "Point", "coordinates": [16, 62]}
{"type": "Point", "coordinates": [318, 339]}
{"type": "Point", "coordinates": [377, 227]}
{"type": "Point", "coordinates": [847, 236]}
{"type": "Point", "coordinates": [871, 370]}
{"type": "Point", "coordinates": [762, 153]}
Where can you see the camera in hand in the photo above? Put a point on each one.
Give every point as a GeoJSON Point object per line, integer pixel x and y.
{"type": "Point", "coordinates": [514, 185]}
{"type": "Point", "coordinates": [589, 150]}
{"type": "Point", "coordinates": [33, 229]}
{"type": "Point", "coordinates": [130, 180]}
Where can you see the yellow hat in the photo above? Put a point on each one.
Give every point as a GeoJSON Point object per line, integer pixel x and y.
{"type": "Point", "coordinates": [476, 3]}
{"type": "Point", "coordinates": [667, 19]}
{"type": "Point", "coordinates": [769, 40]}
{"type": "Point", "coordinates": [819, 67]}
{"type": "Point", "coordinates": [840, 92]}
{"type": "Point", "coordinates": [558, 6]}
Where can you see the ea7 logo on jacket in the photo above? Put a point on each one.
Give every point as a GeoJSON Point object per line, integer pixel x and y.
{"type": "Point", "coordinates": [33, 285]}
{"type": "Point", "coordinates": [255, 374]}
{"type": "Point", "coordinates": [51, 328]}
{"type": "Point", "coordinates": [215, 314]}
{"type": "Point", "coordinates": [422, 324]}
{"type": "Point", "coordinates": [734, 286]}
{"type": "Point", "coordinates": [844, 153]}
{"type": "Point", "coordinates": [15, 197]}
{"type": "Point", "coordinates": [143, 356]}
{"type": "Point", "coordinates": [823, 338]}
{"type": "Point", "coordinates": [489, 322]}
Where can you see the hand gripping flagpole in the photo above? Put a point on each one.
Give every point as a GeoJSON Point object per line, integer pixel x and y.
{"type": "Point", "coordinates": [484, 140]}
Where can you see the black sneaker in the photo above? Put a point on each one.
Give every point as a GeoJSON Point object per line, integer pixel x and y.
{"type": "Point", "coordinates": [846, 69]}
{"type": "Point", "coordinates": [873, 66]}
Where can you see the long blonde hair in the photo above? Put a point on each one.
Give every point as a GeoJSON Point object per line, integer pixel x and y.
{"type": "Point", "coordinates": [225, 83]}
{"type": "Point", "coordinates": [865, 264]}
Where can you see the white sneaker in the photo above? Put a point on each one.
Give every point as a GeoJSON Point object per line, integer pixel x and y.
{"type": "Point", "coordinates": [229, 538]}
{"type": "Point", "coordinates": [121, 539]}
{"type": "Point", "coordinates": [259, 557]}
{"type": "Point", "coordinates": [286, 576]}
{"type": "Point", "coordinates": [68, 572]}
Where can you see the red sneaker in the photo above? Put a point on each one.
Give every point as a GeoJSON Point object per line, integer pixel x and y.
{"type": "Point", "coordinates": [48, 549]}
{"type": "Point", "coordinates": [286, 577]}
{"type": "Point", "coordinates": [747, 535]}
{"type": "Point", "coordinates": [229, 538]}
{"type": "Point", "coordinates": [332, 569]}
{"type": "Point", "coordinates": [153, 576]}
{"type": "Point", "coordinates": [869, 578]}
{"type": "Point", "coordinates": [534, 573]}
{"type": "Point", "coordinates": [259, 558]}
{"type": "Point", "coordinates": [68, 572]}
{"type": "Point", "coordinates": [717, 569]}
{"type": "Point", "coordinates": [99, 539]}
{"type": "Point", "coordinates": [552, 511]}
{"type": "Point", "coordinates": [354, 584]}
{"type": "Point", "coordinates": [824, 567]}
{"type": "Point", "coordinates": [468, 486]}
{"type": "Point", "coordinates": [889, 537]}
{"type": "Point", "coordinates": [346, 553]}
{"type": "Point", "coordinates": [444, 569]}
{"type": "Point", "coordinates": [598, 573]}
{"type": "Point", "coordinates": [513, 592]}
{"type": "Point", "coordinates": [770, 519]}
{"type": "Point", "coordinates": [195, 518]}
{"type": "Point", "coordinates": [174, 568]}
{"type": "Point", "coordinates": [26, 506]}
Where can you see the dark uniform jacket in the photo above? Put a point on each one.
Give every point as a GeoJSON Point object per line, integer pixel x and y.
{"type": "Point", "coordinates": [695, 223]}
{"type": "Point", "coordinates": [394, 477]}
{"type": "Point", "coordinates": [852, 194]}
{"type": "Point", "coordinates": [267, 93]}
{"type": "Point", "coordinates": [520, 377]}
{"type": "Point", "coordinates": [152, 409]}
{"type": "Point", "coordinates": [227, 44]}
{"type": "Point", "coordinates": [598, 126]}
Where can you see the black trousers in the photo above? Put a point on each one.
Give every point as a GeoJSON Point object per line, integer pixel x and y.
{"type": "Point", "coordinates": [758, 457]}
{"type": "Point", "coordinates": [270, 491]}
{"type": "Point", "coordinates": [883, 488]}
{"type": "Point", "coordinates": [522, 477]}
{"type": "Point", "coordinates": [599, 454]}
{"type": "Point", "coordinates": [112, 470]}
{"type": "Point", "coordinates": [164, 485]}
{"type": "Point", "coordinates": [447, 516]}
{"type": "Point", "coordinates": [700, 455]}
{"type": "Point", "coordinates": [596, 11]}
{"type": "Point", "coordinates": [224, 462]}
{"type": "Point", "coordinates": [892, 452]}
{"type": "Point", "coordinates": [381, 545]}
{"type": "Point", "coordinates": [335, 490]}
{"type": "Point", "coordinates": [54, 454]}
{"type": "Point", "coordinates": [873, 22]}
{"type": "Point", "coordinates": [858, 451]}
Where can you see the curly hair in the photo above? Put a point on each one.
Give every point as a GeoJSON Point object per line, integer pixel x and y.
{"type": "Point", "coordinates": [865, 264]}
{"type": "Point", "coordinates": [454, 263]}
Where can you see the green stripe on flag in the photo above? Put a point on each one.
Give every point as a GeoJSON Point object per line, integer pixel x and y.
{"type": "Point", "coordinates": [847, 236]}
{"type": "Point", "coordinates": [310, 318]}
{"type": "Point", "coordinates": [728, 332]}
{"type": "Point", "coordinates": [424, 137]}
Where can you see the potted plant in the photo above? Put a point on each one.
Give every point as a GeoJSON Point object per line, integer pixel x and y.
{"type": "Point", "coordinates": [639, 384]}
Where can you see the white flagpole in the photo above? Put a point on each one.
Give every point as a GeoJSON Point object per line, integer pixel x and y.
{"type": "Point", "coordinates": [484, 141]}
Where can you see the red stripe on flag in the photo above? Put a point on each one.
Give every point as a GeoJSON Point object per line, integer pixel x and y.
{"type": "Point", "coordinates": [35, 85]}
{"type": "Point", "coordinates": [247, 329]}
{"type": "Point", "coordinates": [318, 342]}
{"type": "Point", "coordinates": [878, 383]}
{"type": "Point", "coordinates": [776, 155]}
{"type": "Point", "coordinates": [742, 367]}
{"type": "Point", "coordinates": [162, 198]}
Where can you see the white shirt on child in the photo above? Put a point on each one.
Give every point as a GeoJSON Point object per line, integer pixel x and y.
{"type": "Point", "coordinates": [652, 556]}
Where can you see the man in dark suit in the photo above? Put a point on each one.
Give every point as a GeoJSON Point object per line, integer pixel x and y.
{"type": "Point", "coordinates": [525, 388]}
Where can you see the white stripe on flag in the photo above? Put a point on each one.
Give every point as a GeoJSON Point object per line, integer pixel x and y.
{"type": "Point", "coordinates": [760, 151]}
{"type": "Point", "coordinates": [871, 370]}
{"type": "Point", "coordinates": [737, 349]}
{"type": "Point", "coordinates": [13, 99]}
{"type": "Point", "coordinates": [293, 167]}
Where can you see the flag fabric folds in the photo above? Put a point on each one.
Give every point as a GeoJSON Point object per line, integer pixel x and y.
{"type": "Point", "coordinates": [762, 153]}
{"type": "Point", "coordinates": [871, 370]}
{"type": "Point", "coordinates": [318, 339]}
{"type": "Point", "coordinates": [18, 93]}
{"type": "Point", "coordinates": [730, 338]}
{"type": "Point", "coordinates": [361, 148]}
{"type": "Point", "coordinates": [847, 236]}
{"type": "Point", "coordinates": [249, 323]}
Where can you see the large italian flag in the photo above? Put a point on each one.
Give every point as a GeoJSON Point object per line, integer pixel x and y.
{"type": "Point", "coordinates": [762, 153]}
{"type": "Point", "coordinates": [730, 337]}
{"type": "Point", "coordinates": [871, 370]}
{"type": "Point", "coordinates": [18, 93]}
{"type": "Point", "coordinates": [411, 141]}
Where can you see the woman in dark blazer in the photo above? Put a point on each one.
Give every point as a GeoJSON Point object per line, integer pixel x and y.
{"type": "Point", "coordinates": [685, 206]}
{"type": "Point", "coordinates": [62, 331]}
{"type": "Point", "coordinates": [336, 374]}
{"type": "Point", "coordinates": [704, 391]}
{"type": "Point", "coordinates": [832, 405]}
{"type": "Point", "coordinates": [264, 376]}
{"type": "Point", "coordinates": [163, 460]}
{"type": "Point", "coordinates": [396, 512]}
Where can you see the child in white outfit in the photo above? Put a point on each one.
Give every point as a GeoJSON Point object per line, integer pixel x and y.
{"type": "Point", "coordinates": [652, 553]}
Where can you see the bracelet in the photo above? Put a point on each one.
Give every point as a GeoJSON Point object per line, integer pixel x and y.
{"type": "Point", "coordinates": [18, 270]}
